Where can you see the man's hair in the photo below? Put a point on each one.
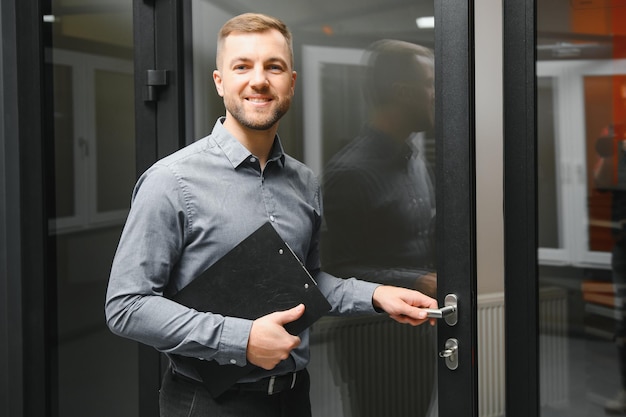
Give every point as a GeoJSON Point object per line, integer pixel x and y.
{"type": "Point", "coordinates": [389, 61]}
{"type": "Point", "coordinates": [253, 23]}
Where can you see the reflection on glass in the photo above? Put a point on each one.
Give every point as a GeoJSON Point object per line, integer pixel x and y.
{"type": "Point", "coordinates": [582, 201]}
{"type": "Point", "coordinates": [64, 144]}
{"type": "Point", "coordinates": [379, 212]}
{"type": "Point", "coordinates": [380, 149]}
{"type": "Point", "coordinates": [90, 107]}
{"type": "Point", "coordinates": [115, 132]}
{"type": "Point", "coordinates": [547, 175]}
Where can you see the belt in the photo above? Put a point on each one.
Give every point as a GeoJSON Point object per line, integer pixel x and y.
{"type": "Point", "coordinates": [269, 385]}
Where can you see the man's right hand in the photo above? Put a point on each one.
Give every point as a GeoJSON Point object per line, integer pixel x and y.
{"type": "Point", "coordinates": [269, 342]}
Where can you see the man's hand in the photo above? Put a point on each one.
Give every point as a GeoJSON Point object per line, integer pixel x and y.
{"type": "Point", "coordinates": [269, 342]}
{"type": "Point", "coordinates": [403, 305]}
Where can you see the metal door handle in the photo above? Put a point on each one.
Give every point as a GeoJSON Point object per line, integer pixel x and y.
{"type": "Point", "coordinates": [448, 312]}
{"type": "Point", "coordinates": [439, 313]}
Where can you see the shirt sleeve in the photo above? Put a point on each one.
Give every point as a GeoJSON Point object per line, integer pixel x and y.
{"type": "Point", "coordinates": [347, 296]}
{"type": "Point", "coordinates": [151, 245]}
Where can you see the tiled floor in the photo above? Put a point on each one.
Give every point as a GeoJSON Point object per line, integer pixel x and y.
{"type": "Point", "coordinates": [593, 378]}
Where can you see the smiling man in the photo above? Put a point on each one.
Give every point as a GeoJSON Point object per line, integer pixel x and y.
{"type": "Point", "coordinates": [190, 208]}
{"type": "Point", "coordinates": [255, 80]}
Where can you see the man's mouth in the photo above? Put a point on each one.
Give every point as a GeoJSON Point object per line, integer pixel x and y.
{"type": "Point", "coordinates": [259, 100]}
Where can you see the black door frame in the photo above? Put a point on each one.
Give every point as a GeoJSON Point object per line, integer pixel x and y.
{"type": "Point", "coordinates": [456, 220]}
{"type": "Point", "coordinates": [455, 175]}
{"type": "Point", "coordinates": [520, 210]}
{"type": "Point", "coordinates": [455, 172]}
{"type": "Point", "coordinates": [24, 295]}
{"type": "Point", "coordinates": [162, 94]}
{"type": "Point", "coordinates": [27, 300]}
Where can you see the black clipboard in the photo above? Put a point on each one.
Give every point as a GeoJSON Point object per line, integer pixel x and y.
{"type": "Point", "coordinates": [259, 276]}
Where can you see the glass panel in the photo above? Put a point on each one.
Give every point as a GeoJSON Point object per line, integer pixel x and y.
{"type": "Point", "coordinates": [94, 372]}
{"type": "Point", "coordinates": [115, 132]}
{"type": "Point", "coordinates": [65, 202]}
{"type": "Point", "coordinates": [603, 140]}
{"type": "Point", "coordinates": [360, 120]}
{"type": "Point", "coordinates": [581, 113]}
{"type": "Point", "coordinates": [549, 236]}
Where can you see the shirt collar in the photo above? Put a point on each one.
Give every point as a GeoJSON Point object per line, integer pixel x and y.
{"type": "Point", "coordinates": [236, 152]}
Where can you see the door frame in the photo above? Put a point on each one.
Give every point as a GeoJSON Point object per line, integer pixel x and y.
{"type": "Point", "coordinates": [454, 70]}
{"type": "Point", "coordinates": [456, 191]}
{"type": "Point", "coordinates": [25, 362]}
{"type": "Point", "coordinates": [520, 209]}
{"type": "Point", "coordinates": [161, 124]}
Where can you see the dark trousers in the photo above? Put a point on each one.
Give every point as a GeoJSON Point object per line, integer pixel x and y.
{"type": "Point", "coordinates": [182, 398]}
{"type": "Point", "coordinates": [618, 264]}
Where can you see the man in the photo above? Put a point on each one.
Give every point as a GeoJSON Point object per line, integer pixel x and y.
{"type": "Point", "coordinates": [379, 196]}
{"type": "Point", "coordinates": [379, 212]}
{"type": "Point", "coordinates": [192, 207]}
{"type": "Point", "coordinates": [610, 177]}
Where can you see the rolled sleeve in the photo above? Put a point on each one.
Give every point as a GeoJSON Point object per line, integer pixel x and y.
{"type": "Point", "coordinates": [234, 341]}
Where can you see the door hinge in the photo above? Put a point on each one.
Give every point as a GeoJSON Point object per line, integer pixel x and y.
{"type": "Point", "coordinates": [154, 79]}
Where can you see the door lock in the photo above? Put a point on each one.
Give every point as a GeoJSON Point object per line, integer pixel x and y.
{"type": "Point", "coordinates": [448, 312]}
{"type": "Point", "coordinates": [450, 353]}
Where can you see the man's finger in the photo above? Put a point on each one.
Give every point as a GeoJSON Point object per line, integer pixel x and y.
{"type": "Point", "coordinates": [287, 316]}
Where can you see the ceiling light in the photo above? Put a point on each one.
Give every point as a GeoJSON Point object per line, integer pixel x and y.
{"type": "Point", "coordinates": [426, 22]}
{"type": "Point", "coordinates": [50, 18]}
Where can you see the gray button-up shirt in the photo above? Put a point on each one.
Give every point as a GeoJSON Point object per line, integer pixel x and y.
{"type": "Point", "coordinates": [187, 211]}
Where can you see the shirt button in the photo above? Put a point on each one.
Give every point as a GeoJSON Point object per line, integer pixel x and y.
{"type": "Point", "coordinates": [233, 361]}
{"type": "Point", "coordinates": [252, 159]}
{"type": "Point", "coordinates": [272, 218]}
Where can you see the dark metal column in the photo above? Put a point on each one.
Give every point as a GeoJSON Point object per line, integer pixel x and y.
{"type": "Point", "coordinates": [520, 210]}
{"type": "Point", "coordinates": [160, 125]}
{"type": "Point", "coordinates": [456, 223]}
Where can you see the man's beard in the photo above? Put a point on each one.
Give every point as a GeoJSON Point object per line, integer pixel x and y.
{"type": "Point", "coordinates": [254, 123]}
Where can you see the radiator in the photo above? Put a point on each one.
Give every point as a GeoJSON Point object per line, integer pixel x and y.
{"type": "Point", "coordinates": [371, 367]}
{"type": "Point", "coordinates": [553, 347]}
{"type": "Point", "coordinates": [490, 341]}
{"type": "Point", "coordinates": [553, 351]}
{"type": "Point", "coordinates": [374, 367]}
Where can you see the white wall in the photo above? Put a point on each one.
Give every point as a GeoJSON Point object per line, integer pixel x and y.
{"type": "Point", "coordinates": [489, 146]}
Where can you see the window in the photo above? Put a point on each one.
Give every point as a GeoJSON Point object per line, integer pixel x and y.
{"type": "Point", "coordinates": [574, 110]}
{"type": "Point", "coordinates": [94, 146]}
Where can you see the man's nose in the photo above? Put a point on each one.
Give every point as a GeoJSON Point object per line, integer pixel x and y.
{"type": "Point", "coordinates": [259, 79]}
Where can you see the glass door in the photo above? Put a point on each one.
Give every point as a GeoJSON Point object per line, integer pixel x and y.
{"type": "Point", "coordinates": [581, 111]}
{"type": "Point", "coordinates": [379, 216]}
{"type": "Point", "coordinates": [396, 169]}
{"type": "Point", "coordinates": [90, 156]}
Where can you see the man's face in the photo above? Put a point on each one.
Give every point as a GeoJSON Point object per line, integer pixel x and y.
{"type": "Point", "coordinates": [255, 78]}
{"type": "Point", "coordinates": [416, 96]}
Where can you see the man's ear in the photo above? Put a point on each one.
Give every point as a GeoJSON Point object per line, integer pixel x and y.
{"type": "Point", "coordinates": [294, 76]}
{"type": "Point", "coordinates": [217, 79]}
